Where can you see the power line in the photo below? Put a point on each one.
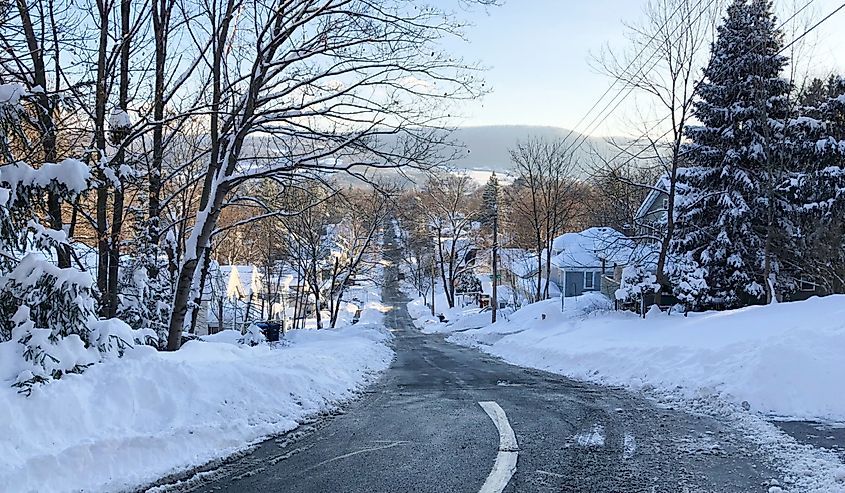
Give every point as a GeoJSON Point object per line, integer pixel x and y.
{"type": "Point", "coordinates": [631, 64]}
{"type": "Point", "coordinates": [695, 89]}
{"type": "Point", "coordinates": [631, 85]}
{"type": "Point", "coordinates": [808, 31]}
{"type": "Point", "coordinates": [699, 83]}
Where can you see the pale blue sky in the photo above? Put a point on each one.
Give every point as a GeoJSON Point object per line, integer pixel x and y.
{"type": "Point", "coordinates": [538, 52]}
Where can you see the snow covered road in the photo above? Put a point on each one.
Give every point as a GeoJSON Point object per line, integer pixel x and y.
{"type": "Point", "coordinates": [421, 429]}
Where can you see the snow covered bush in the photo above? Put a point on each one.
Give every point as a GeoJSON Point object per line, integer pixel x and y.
{"type": "Point", "coordinates": [59, 299]}
{"type": "Point", "coordinates": [144, 301]}
{"type": "Point", "coordinates": [253, 336]}
{"type": "Point", "coordinates": [688, 279]}
{"type": "Point", "coordinates": [51, 313]}
{"type": "Point", "coordinates": [636, 283]}
{"type": "Point", "coordinates": [47, 309]}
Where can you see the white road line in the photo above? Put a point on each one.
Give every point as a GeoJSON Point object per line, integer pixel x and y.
{"type": "Point", "coordinates": [505, 465]}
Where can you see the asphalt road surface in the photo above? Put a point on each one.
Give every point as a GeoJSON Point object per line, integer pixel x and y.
{"type": "Point", "coordinates": [421, 429]}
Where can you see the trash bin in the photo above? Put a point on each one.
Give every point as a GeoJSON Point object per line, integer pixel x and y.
{"type": "Point", "coordinates": [270, 330]}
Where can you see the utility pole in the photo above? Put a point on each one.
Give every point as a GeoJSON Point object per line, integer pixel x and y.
{"type": "Point", "coordinates": [494, 302]}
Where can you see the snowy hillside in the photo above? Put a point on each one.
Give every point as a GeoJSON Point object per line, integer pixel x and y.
{"type": "Point", "coordinates": [783, 360]}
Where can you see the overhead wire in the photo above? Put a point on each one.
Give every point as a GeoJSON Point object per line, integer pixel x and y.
{"type": "Point", "coordinates": [698, 84]}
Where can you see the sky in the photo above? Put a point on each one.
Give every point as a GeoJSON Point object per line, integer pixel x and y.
{"type": "Point", "coordinates": [538, 53]}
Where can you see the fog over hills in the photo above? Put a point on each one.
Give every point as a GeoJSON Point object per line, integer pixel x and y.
{"type": "Point", "coordinates": [486, 147]}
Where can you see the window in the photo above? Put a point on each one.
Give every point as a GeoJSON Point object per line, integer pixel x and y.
{"type": "Point", "coordinates": [665, 204]}
{"type": "Point", "coordinates": [807, 284]}
{"type": "Point", "coordinates": [588, 280]}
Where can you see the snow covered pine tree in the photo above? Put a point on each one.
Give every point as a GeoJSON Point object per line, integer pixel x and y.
{"type": "Point", "coordinates": [729, 209]}
{"type": "Point", "coordinates": [47, 310]}
{"type": "Point", "coordinates": [818, 185]}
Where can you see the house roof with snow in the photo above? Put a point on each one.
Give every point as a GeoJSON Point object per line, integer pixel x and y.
{"type": "Point", "coordinates": [521, 263]}
{"type": "Point", "coordinates": [241, 280]}
{"type": "Point", "coordinates": [592, 248]}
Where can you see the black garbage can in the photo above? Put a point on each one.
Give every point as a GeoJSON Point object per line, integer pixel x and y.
{"type": "Point", "coordinates": [270, 330]}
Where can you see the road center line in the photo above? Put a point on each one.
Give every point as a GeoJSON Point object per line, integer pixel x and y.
{"type": "Point", "coordinates": [505, 465]}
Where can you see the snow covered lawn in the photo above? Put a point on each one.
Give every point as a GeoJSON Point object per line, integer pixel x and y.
{"type": "Point", "coordinates": [128, 422]}
{"type": "Point", "coordinates": [784, 360]}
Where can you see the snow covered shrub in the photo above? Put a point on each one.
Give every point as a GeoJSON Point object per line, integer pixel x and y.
{"type": "Point", "coordinates": [44, 356]}
{"type": "Point", "coordinates": [253, 336]}
{"type": "Point", "coordinates": [145, 301]}
{"type": "Point", "coordinates": [59, 299]}
{"type": "Point", "coordinates": [49, 311]}
{"type": "Point", "coordinates": [636, 283]}
{"type": "Point", "coordinates": [690, 285]}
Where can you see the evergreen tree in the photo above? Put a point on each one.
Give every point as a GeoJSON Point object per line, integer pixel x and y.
{"type": "Point", "coordinates": [145, 301]}
{"type": "Point", "coordinates": [490, 201]}
{"type": "Point", "coordinates": [729, 220]}
{"type": "Point", "coordinates": [819, 185]}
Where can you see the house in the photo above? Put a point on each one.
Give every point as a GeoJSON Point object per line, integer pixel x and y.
{"type": "Point", "coordinates": [651, 217]}
{"type": "Point", "coordinates": [519, 269]}
{"type": "Point", "coordinates": [580, 261]}
{"type": "Point", "coordinates": [234, 297]}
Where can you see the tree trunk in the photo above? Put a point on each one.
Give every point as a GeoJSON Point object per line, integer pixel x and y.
{"type": "Point", "coordinates": [117, 211]}
{"type": "Point", "coordinates": [180, 304]}
{"type": "Point", "coordinates": [161, 28]}
{"type": "Point", "coordinates": [47, 127]}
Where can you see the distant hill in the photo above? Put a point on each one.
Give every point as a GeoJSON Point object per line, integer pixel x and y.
{"type": "Point", "coordinates": [484, 149]}
{"type": "Point", "coordinates": [487, 146]}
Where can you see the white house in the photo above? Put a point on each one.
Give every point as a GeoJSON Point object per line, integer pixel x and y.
{"type": "Point", "coordinates": [234, 298]}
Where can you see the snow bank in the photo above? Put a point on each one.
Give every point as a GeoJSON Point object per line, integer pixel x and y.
{"type": "Point", "coordinates": [128, 422]}
{"type": "Point", "coordinates": [784, 360]}
{"type": "Point", "coordinates": [458, 318]}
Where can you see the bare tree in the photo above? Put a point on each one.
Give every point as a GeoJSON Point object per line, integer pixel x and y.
{"type": "Point", "coordinates": [415, 238]}
{"type": "Point", "coordinates": [320, 81]}
{"type": "Point", "coordinates": [362, 215]}
{"type": "Point", "coordinates": [448, 210]}
{"type": "Point", "coordinates": [545, 196]}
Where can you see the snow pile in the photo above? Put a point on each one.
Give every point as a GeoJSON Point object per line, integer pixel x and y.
{"type": "Point", "coordinates": [457, 318]}
{"type": "Point", "coordinates": [784, 360]}
{"type": "Point", "coordinates": [805, 468]}
{"type": "Point", "coordinates": [124, 423]}
{"type": "Point", "coordinates": [119, 120]}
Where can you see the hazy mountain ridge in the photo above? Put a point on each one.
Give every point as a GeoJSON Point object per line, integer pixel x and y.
{"type": "Point", "coordinates": [487, 147]}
